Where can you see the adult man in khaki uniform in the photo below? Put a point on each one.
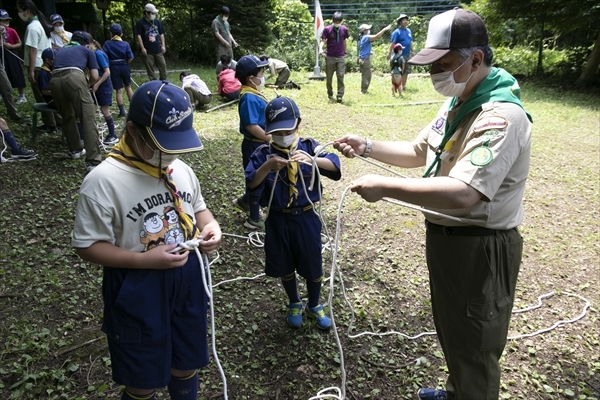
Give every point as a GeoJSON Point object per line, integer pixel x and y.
{"type": "Point", "coordinates": [476, 154]}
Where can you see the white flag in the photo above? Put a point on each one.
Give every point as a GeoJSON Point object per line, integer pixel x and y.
{"type": "Point", "coordinates": [319, 26]}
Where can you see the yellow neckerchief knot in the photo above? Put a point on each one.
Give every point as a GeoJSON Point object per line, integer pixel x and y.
{"type": "Point", "coordinates": [245, 89]}
{"type": "Point", "coordinates": [292, 168]}
{"type": "Point", "coordinates": [121, 151]}
{"type": "Point", "coordinates": [45, 68]}
{"type": "Point", "coordinates": [117, 38]}
{"type": "Point", "coordinates": [63, 36]}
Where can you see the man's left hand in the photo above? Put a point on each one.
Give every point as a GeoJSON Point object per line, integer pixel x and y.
{"type": "Point", "coordinates": [369, 187]}
{"type": "Point", "coordinates": [163, 49]}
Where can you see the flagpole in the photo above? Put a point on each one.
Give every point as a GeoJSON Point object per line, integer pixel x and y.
{"type": "Point", "coordinates": [318, 30]}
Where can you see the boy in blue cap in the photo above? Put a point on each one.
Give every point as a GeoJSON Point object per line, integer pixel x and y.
{"type": "Point", "coordinates": [45, 75]}
{"type": "Point", "coordinates": [293, 228]}
{"type": "Point", "coordinates": [119, 56]}
{"type": "Point", "coordinates": [250, 72]}
{"type": "Point", "coordinates": [133, 211]}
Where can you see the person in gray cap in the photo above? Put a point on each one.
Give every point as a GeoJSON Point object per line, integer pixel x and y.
{"type": "Point", "coordinates": [364, 53]}
{"type": "Point", "coordinates": [59, 36]}
{"type": "Point", "coordinates": [476, 154]}
{"type": "Point", "coordinates": [150, 35]}
{"type": "Point", "coordinates": [402, 35]}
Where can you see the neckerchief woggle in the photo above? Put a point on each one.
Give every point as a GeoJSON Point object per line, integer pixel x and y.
{"type": "Point", "coordinates": [499, 86]}
{"type": "Point", "coordinates": [292, 168]}
{"type": "Point", "coordinates": [121, 151]}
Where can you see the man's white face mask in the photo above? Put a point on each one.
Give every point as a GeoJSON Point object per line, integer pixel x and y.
{"type": "Point", "coordinates": [444, 83]}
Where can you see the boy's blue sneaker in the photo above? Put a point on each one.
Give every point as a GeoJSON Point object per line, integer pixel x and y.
{"type": "Point", "coordinates": [294, 315]}
{"type": "Point", "coordinates": [431, 394]}
{"type": "Point", "coordinates": [318, 313]}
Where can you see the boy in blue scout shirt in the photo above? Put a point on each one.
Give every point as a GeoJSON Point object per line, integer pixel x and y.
{"type": "Point", "coordinates": [102, 91]}
{"type": "Point", "coordinates": [45, 75]}
{"type": "Point", "coordinates": [293, 228]}
{"type": "Point", "coordinates": [119, 56]}
{"type": "Point", "coordinates": [249, 71]}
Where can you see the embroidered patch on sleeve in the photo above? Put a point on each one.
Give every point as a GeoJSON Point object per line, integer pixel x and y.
{"type": "Point", "coordinates": [481, 156]}
{"type": "Point", "coordinates": [490, 123]}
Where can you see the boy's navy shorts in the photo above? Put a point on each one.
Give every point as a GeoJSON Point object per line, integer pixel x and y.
{"type": "Point", "coordinates": [104, 94]}
{"type": "Point", "coordinates": [293, 243]}
{"type": "Point", "coordinates": [155, 320]}
{"type": "Point", "coordinates": [120, 75]}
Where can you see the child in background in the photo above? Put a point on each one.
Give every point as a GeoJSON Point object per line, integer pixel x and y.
{"type": "Point", "coordinates": [119, 57]}
{"type": "Point", "coordinates": [293, 228]}
{"type": "Point", "coordinates": [102, 91]}
{"type": "Point", "coordinates": [45, 75]}
{"type": "Point", "coordinates": [251, 108]}
{"type": "Point", "coordinates": [59, 36]}
{"type": "Point", "coordinates": [397, 64]}
{"type": "Point", "coordinates": [228, 86]}
{"type": "Point", "coordinates": [154, 303]}
{"type": "Point", "coordinates": [11, 43]}
{"type": "Point", "coordinates": [195, 87]}
{"type": "Point", "coordinates": [225, 62]}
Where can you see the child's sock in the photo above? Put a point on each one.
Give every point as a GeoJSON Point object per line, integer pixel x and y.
{"type": "Point", "coordinates": [254, 207]}
{"type": "Point", "coordinates": [291, 287]}
{"type": "Point", "coordinates": [184, 388]}
{"type": "Point", "coordinates": [10, 140]}
{"type": "Point", "coordinates": [121, 109]}
{"type": "Point", "coordinates": [314, 291]}
{"type": "Point", "coordinates": [110, 122]}
{"type": "Point", "coordinates": [129, 396]}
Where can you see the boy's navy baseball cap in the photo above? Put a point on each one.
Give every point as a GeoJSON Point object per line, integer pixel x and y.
{"type": "Point", "coordinates": [115, 29]}
{"type": "Point", "coordinates": [54, 18]}
{"type": "Point", "coordinates": [247, 64]}
{"type": "Point", "coordinates": [81, 36]}
{"type": "Point", "coordinates": [165, 110]}
{"type": "Point", "coordinates": [452, 29]}
{"type": "Point", "coordinates": [281, 114]}
{"type": "Point", "coordinates": [48, 53]}
{"type": "Point", "coordinates": [4, 15]}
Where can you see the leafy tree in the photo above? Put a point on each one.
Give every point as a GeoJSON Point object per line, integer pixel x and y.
{"type": "Point", "coordinates": [577, 21]}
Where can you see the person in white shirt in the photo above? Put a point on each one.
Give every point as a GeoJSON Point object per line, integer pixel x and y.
{"type": "Point", "coordinates": [200, 94]}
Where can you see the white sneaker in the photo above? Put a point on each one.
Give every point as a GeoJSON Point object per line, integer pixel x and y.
{"type": "Point", "coordinates": [77, 154]}
{"type": "Point", "coordinates": [21, 100]}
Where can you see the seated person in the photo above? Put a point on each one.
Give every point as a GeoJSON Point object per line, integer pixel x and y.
{"type": "Point", "coordinates": [281, 70]}
{"type": "Point", "coordinates": [195, 87]}
{"type": "Point", "coordinates": [226, 62]}
{"type": "Point", "coordinates": [45, 75]}
{"type": "Point", "coordinates": [228, 85]}
{"type": "Point", "coordinates": [16, 152]}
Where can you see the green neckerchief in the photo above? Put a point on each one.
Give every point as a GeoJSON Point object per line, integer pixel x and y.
{"type": "Point", "coordinates": [34, 18]}
{"type": "Point", "coordinates": [224, 23]}
{"type": "Point", "coordinates": [71, 44]}
{"type": "Point", "coordinates": [498, 86]}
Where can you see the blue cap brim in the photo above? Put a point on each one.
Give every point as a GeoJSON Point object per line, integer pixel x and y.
{"type": "Point", "coordinates": [176, 142]}
{"type": "Point", "coordinates": [287, 125]}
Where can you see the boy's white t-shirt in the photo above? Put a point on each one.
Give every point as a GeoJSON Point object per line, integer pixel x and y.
{"type": "Point", "coordinates": [132, 210]}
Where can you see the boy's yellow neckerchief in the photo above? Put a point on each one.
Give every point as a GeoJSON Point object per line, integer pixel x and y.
{"type": "Point", "coordinates": [245, 89]}
{"type": "Point", "coordinates": [121, 151]}
{"type": "Point", "coordinates": [292, 168]}
{"type": "Point", "coordinates": [117, 38]}
{"type": "Point", "coordinates": [63, 36]}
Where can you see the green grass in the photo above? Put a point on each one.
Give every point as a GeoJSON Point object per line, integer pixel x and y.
{"type": "Point", "coordinates": [51, 308]}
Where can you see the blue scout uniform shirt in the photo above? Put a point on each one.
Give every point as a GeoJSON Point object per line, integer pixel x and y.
{"type": "Point", "coordinates": [252, 112]}
{"type": "Point", "coordinates": [75, 56]}
{"type": "Point", "coordinates": [43, 83]}
{"type": "Point", "coordinates": [404, 37]}
{"type": "Point", "coordinates": [281, 196]}
{"type": "Point", "coordinates": [364, 46]}
{"type": "Point", "coordinates": [118, 51]}
{"type": "Point", "coordinates": [150, 33]}
{"type": "Point", "coordinates": [102, 61]}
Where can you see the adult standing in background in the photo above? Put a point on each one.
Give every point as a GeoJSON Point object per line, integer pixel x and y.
{"type": "Point", "coordinates": [334, 36]}
{"type": "Point", "coordinates": [37, 39]}
{"type": "Point", "coordinates": [59, 37]}
{"type": "Point", "coordinates": [364, 53]}
{"type": "Point", "coordinates": [150, 35]}
{"type": "Point", "coordinates": [402, 35]}
{"type": "Point", "coordinates": [223, 38]}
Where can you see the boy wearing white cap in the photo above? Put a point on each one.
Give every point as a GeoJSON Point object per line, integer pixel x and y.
{"type": "Point", "coordinates": [150, 35]}
{"type": "Point", "coordinates": [476, 155]}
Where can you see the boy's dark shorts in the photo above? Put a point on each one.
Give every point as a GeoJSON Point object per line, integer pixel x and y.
{"type": "Point", "coordinates": [120, 75]}
{"type": "Point", "coordinates": [155, 320]}
{"type": "Point", "coordinates": [103, 94]}
{"type": "Point", "coordinates": [293, 243]}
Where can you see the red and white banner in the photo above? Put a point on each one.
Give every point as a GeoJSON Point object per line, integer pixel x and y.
{"type": "Point", "coordinates": [319, 26]}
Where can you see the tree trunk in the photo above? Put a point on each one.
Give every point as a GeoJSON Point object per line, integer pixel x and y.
{"type": "Point", "coordinates": [591, 66]}
{"type": "Point", "coordinates": [540, 66]}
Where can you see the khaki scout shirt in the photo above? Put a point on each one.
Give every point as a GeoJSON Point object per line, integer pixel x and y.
{"type": "Point", "coordinates": [505, 130]}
